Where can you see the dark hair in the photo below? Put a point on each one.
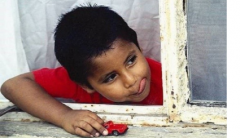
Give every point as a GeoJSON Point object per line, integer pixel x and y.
{"type": "Point", "coordinates": [86, 32]}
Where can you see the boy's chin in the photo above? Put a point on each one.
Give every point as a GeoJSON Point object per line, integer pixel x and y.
{"type": "Point", "coordinates": [138, 100]}
{"type": "Point", "coordinates": [131, 101]}
{"type": "Point", "coordinates": [123, 103]}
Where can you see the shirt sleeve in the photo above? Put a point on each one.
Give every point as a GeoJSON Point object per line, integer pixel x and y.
{"type": "Point", "coordinates": [57, 83]}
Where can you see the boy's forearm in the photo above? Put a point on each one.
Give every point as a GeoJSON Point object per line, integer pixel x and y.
{"type": "Point", "coordinates": [30, 97]}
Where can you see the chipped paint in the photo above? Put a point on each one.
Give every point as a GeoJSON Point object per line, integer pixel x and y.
{"type": "Point", "coordinates": [175, 110]}
{"type": "Point", "coordinates": [175, 80]}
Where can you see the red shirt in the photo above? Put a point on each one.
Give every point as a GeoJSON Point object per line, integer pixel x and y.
{"type": "Point", "coordinates": [58, 84]}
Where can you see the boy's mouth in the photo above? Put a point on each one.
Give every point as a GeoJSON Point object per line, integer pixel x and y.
{"type": "Point", "coordinates": [142, 86]}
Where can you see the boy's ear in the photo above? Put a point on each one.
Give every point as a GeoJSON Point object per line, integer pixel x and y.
{"type": "Point", "coordinates": [86, 88]}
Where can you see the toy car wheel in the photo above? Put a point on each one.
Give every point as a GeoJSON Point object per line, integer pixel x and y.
{"type": "Point", "coordinates": [115, 133]}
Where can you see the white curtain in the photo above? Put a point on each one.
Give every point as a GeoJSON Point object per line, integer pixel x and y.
{"type": "Point", "coordinates": [33, 48]}
{"type": "Point", "coordinates": [12, 55]}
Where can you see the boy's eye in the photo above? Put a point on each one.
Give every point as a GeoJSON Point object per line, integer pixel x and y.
{"type": "Point", "coordinates": [132, 60]}
{"type": "Point", "coordinates": [110, 78]}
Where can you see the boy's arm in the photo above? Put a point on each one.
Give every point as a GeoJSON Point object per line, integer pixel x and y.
{"type": "Point", "coordinates": [24, 92]}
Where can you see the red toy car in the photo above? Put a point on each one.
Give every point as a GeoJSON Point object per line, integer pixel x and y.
{"type": "Point", "coordinates": [115, 129]}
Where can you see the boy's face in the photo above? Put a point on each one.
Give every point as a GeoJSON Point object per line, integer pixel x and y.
{"type": "Point", "coordinates": [122, 73]}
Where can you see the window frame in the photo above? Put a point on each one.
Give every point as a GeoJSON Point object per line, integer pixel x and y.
{"type": "Point", "coordinates": [175, 78]}
{"type": "Point", "coordinates": [175, 109]}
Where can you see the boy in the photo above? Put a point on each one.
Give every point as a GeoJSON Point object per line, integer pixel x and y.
{"type": "Point", "coordinates": [102, 63]}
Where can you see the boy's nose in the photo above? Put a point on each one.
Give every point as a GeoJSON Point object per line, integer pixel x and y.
{"type": "Point", "coordinates": [129, 80]}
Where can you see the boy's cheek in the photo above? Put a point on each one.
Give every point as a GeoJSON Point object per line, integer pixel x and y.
{"type": "Point", "coordinates": [143, 68]}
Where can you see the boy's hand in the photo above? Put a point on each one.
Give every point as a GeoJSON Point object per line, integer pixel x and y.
{"type": "Point", "coordinates": [84, 123]}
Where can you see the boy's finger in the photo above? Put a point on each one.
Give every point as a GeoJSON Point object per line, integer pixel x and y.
{"type": "Point", "coordinates": [87, 127]}
{"type": "Point", "coordinates": [97, 126]}
{"type": "Point", "coordinates": [81, 132]}
{"type": "Point", "coordinates": [96, 117]}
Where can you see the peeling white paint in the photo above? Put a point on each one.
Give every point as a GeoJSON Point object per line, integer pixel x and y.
{"type": "Point", "coordinates": [119, 109]}
{"type": "Point", "coordinates": [175, 84]}
{"type": "Point", "coordinates": [175, 79]}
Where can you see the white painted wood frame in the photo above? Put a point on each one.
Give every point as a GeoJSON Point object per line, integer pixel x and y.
{"type": "Point", "coordinates": [173, 36]}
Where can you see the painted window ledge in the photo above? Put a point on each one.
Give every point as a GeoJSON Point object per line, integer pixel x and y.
{"type": "Point", "coordinates": [175, 84]}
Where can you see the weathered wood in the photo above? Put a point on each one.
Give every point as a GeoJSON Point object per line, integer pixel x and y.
{"type": "Point", "coordinates": [153, 120]}
{"type": "Point", "coordinates": [17, 129]}
{"type": "Point", "coordinates": [173, 35]}
{"type": "Point", "coordinates": [175, 86]}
